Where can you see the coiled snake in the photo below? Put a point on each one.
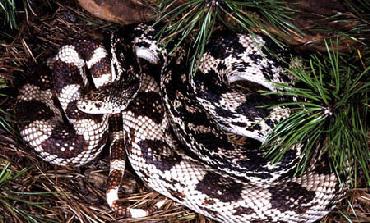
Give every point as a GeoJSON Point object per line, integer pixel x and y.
{"type": "Point", "coordinates": [193, 138]}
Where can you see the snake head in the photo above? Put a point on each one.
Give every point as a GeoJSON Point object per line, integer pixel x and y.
{"type": "Point", "coordinates": [146, 47]}
{"type": "Point", "coordinates": [110, 99]}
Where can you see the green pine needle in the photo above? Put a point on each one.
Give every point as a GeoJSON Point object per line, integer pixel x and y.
{"type": "Point", "coordinates": [361, 7]}
{"type": "Point", "coordinates": [4, 116]}
{"type": "Point", "coordinates": [8, 12]}
{"type": "Point", "coordinates": [197, 19]}
{"type": "Point", "coordinates": [328, 115]}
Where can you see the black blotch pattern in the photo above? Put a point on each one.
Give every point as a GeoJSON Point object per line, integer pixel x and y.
{"type": "Point", "coordinates": [268, 72]}
{"type": "Point", "coordinates": [239, 124]}
{"type": "Point", "coordinates": [290, 196]}
{"type": "Point", "coordinates": [243, 210]}
{"type": "Point", "coordinates": [213, 83]}
{"type": "Point", "coordinates": [225, 113]}
{"type": "Point", "coordinates": [143, 44]}
{"type": "Point", "coordinates": [212, 142]}
{"type": "Point", "coordinates": [255, 160]}
{"type": "Point", "coordinates": [65, 74]}
{"type": "Point", "coordinates": [221, 66]}
{"type": "Point", "coordinates": [63, 135]}
{"type": "Point", "coordinates": [240, 66]}
{"type": "Point", "coordinates": [269, 122]}
{"type": "Point", "coordinates": [256, 58]}
{"type": "Point", "coordinates": [158, 153]}
{"type": "Point", "coordinates": [248, 87]}
{"type": "Point", "coordinates": [250, 107]}
{"type": "Point", "coordinates": [257, 127]}
{"type": "Point", "coordinates": [85, 48]}
{"type": "Point", "coordinates": [100, 68]}
{"type": "Point", "coordinates": [321, 166]}
{"type": "Point", "coordinates": [124, 89]}
{"type": "Point", "coordinates": [280, 55]}
{"type": "Point", "coordinates": [29, 111]}
{"type": "Point", "coordinates": [288, 160]}
{"type": "Point", "coordinates": [222, 45]}
{"type": "Point", "coordinates": [115, 123]}
{"type": "Point", "coordinates": [224, 188]}
{"type": "Point", "coordinates": [148, 104]}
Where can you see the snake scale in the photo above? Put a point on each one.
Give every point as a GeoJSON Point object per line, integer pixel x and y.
{"type": "Point", "coordinates": [193, 138]}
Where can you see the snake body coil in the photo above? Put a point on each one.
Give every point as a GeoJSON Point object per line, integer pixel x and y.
{"type": "Point", "coordinates": [193, 138]}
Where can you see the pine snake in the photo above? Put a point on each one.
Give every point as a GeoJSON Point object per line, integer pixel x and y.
{"type": "Point", "coordinates": [193, 138]}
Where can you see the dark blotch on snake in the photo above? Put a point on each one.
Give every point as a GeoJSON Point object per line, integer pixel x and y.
{"type": "Point", "coordinates": [243, 210]}
{"type": "Point", "coordinates": [250, 107]}
{"type": "Point", "coordinates": [143, 44]}
{"type": "Point", "coordinates": [30, 111]}
{"type": "Point", "coordinates": [256, 58]}
{"type": "Point", "coordinates": [225, 113]}
{"type": "Point", "coordinates": [222, 45]}
{"type": "Point", "coordinates": [253, 128]}
{"type": "Point", "coordinates": [221, 66]}
{"type": "Point", "coordinates": [159, 154]}
{"type": "Point", "coordinates": [269, 122]}
{"type": "Point", "coordinates": [285, 197]}
{"type": "Point", "coordinates": [212, 142]}
{"type": "Point", "coordinates": [85, 48]}
{"type": "Point", "coordinates": [100, 68]}
{"type": "Point", "coordinates": [115, 123]}
{"type": "Point", "coordinates": [240, 66]}
{"type": "Point", "coordinates": [268, 72]}
{"type": "Point", "coordinates": [65, 74]}
{"type": "Point", "coordinates": [64, 136]}
{"type": "Point", "coordinates": [224, 188]}
{"type": "Point", "coordinates": [148, 104]}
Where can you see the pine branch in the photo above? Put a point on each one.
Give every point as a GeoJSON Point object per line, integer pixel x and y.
{"type": "Point", "coordinates": [195, 20]}
{"type": "Point", "coordinates": [329, 115]}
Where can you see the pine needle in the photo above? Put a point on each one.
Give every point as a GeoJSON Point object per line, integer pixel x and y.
{"type": "Point", "coordinates": [195, 20]}
{"type": "Point", "coordinates": [4, 116]}
{"type": "Point", "coordinates": [8, 13]}
{"type": "Point", "coordinates": [12, 202]}
{"type": "Point", "coordinates": [328, 115]}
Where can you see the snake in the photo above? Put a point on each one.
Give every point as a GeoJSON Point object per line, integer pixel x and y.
{"type": "Point", "coordinates": [193, 137]}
